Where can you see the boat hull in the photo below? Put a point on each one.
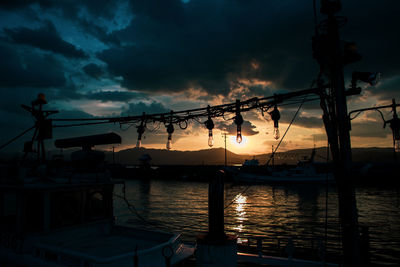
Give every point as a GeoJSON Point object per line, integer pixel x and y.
{"type": "Point", "coordinates": [265, 178]}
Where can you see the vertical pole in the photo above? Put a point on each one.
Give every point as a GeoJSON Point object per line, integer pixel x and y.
{"type": "Point", "coordinates": [346, 191]}
{"type": "Point", "coordinates": [113, 157]}
{"type": "Point", "coordinates": [366, 259]}
{"type": "Point", "coordinates": [273, 157]}
{"type": "Point", "coordinates": [215, 248]}
{"type": "Point", "coordinates": [38, 150]}
{"type": "Point", "coordinates": [394, 139]}
{"type": "Point", "coordinates": [43, 150]}
{"type": "Point", "coordinates": [135, 258]}
{"type": "Point", "coordinates": [216, 207]}
{"type": "Point", "coordinates": [225, 149]}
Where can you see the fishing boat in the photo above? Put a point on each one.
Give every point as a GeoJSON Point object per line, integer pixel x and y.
{"type": "Point", "coordinates": [304, 172]}
{"type": "Point", "coordinates": [58, 215]}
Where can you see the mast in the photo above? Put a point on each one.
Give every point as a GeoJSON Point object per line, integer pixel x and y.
{"type": "Point", "coordinates": [225, 148]}
{"type": "Point", "coordinates": [329, 53]}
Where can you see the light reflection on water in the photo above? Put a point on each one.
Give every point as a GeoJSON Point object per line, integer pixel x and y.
{"type": "Point", "coordinates": [276, 212]}
{"type": "Point", "coordinates": [240, 202]}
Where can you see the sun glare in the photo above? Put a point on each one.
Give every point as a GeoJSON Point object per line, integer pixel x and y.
{"type": "Point", "coordinates": [243, 144]}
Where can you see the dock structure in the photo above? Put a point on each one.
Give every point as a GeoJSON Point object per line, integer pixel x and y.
{"type": "Point", "coordinates": [216, 248]}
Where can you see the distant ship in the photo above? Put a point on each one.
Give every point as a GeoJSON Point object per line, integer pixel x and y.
{"type": "Point", "coordinates": [304, 172]}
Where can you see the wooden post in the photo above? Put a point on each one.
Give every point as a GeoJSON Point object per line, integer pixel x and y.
{"type": "Point", "coordinates": [364, 240]}
{"type": "Point", "coordinates": [216, 207]}
{"type": "Point", "coordinates": [113, 153]}
{"type": "Point", "coordinates": [394, 139]}
{"type": "Point", "coordinates": [225, 149]}
{"type": "Point", "coordinates": [273, 157]}
{"type": "Point", "coordinates": [215, 248]}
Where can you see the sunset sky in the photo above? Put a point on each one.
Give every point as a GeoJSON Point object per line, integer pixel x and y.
{"type": "Point", "coordinates": [117, 58]}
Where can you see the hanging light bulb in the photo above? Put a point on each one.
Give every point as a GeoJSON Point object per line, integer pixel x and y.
{"type": "Point", "coordinates": [239, 136]}
{"type": "Point", "coordinates": [210, 126]}
{"type": "Point", "coordinates": [210, 138]}
{"type": "Point", "coordinates": [276, 133]}
{"type": "Point", "coordinates": [395, 126]}
{"type": "Point", "coordinates": [140, 131]}
{"type": "Point", "coordinates": [169, 142]}
{"type": "Point", "coordinates": [238, 122]}
{"type": "Point", "coordinates": [139, 140]}
{"type": "Point", "coordinates": [275, 116]}
{"type": "Point", "coordinates": [170, 130]}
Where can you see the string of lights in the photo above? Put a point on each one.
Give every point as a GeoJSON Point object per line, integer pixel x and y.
{"type": "Point", "coordinates": [182, 118]}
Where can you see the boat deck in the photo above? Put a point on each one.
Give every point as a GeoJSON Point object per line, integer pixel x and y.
{"type": "Point", "coordinates": [119, 245]}
{"type": "Point", "coordinates": [101, 246]}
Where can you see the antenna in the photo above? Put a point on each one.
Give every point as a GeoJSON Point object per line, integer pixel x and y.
{"type": "Point", "coordinates": [43, 127]}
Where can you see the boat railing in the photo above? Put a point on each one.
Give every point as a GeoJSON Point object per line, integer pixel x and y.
{"type": "Point", "coordinates": [57, 254]}
{"type": "Point", "coordinates": [314, 247]}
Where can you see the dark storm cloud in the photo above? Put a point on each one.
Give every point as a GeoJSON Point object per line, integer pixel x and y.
{"type": "Point", "coordinates": [300, 120]}
{"type": "Point", "coordinates": [210, 44]}
{"type": "Point", "coordinates": [172, 46]}
{"type": "Point", "coordinates": [93, 70]}
{"type": "Point", "coordinates": [17, 4]}
{"type": "Point", "coordinates": [248, 129]}
{"type": "Point", "coordinates": [135, 109]}
{"type": "Point", "coordinates": [309, 122]}
{"type": "Point", "coordinates": [105, 96]}
{"type": "Point", "coordinates": [169, 11]}
{"type": "Point", "coordinates": [387, 89]}
{"type": "Point", "coordinates": [29, 69]}
{"type": "Point", "coordinates": [99, 32]}
{"type": "Point", "coordinates": [46, 38]}
{"type": "Point", "coordinates": [102, 9]}
{"type": "Point", "coordinates": [369, 129]}
{"type": "Point", "coordinates": [373, 26]}
{"type": "Point", "coordinates": [70, 8]}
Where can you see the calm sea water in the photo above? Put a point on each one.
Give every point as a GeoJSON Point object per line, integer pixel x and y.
{"type": "Point", "coordinates": [306, 213]}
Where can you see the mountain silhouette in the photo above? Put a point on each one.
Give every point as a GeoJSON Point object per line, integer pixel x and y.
{"type": "Point", "coordinates": [215, 156]}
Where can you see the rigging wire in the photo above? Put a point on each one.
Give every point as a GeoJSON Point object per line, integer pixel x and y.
{"type": "Point", "coordinates": [127, 128]}
{"type": "Point", "coordinates": [16, 137]}
{"type": "Point", "coordinates": [79, 124]}
{"type": "Point", "coordinates": [155, 127]}
{"type": "Point", "coordinates": [133, 210]}
{"type": "Point", "coordinates": [287, 129]}
{"type": "Point", "coordinates": [237, 196]}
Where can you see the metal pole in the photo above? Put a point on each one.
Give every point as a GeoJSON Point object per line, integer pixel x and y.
{"type": "Point", "coordinates": [225, 149]}
{"type": "Point", "coordinates": [216, 207]}
{"type": "Point", "coordinates": [113, 157]}
{"type": "Point", "coordinates": [273, 157]}
{"type": "Point", "coordinates": [394, 139]}
{"type": "Point", "coordinates": [346, 191]}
